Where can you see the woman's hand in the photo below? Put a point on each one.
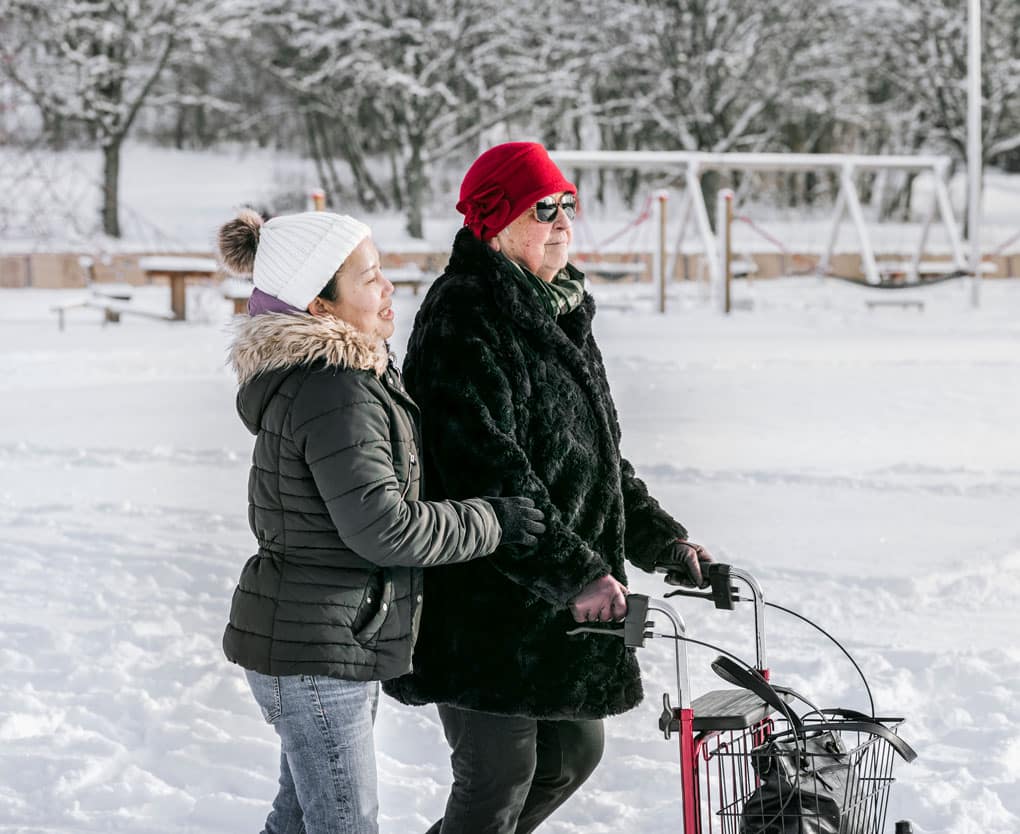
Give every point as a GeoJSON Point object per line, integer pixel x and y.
{"type": "Point", "coordinates": [685, 563]}
{"type": "Point", "coordinates": [602, 601]}
{"type": "Point", "coordinates": [519, 519]}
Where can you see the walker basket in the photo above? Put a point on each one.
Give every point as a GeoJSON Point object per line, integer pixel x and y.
{"type": "Point", "coordinates": [833, 782]}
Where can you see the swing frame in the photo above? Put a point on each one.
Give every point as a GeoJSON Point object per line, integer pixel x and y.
{"type": "Point", "coordinates": [692, 164]}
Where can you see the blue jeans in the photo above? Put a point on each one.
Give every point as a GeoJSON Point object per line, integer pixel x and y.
{"type": "Point", "coordinates": [328, 781]}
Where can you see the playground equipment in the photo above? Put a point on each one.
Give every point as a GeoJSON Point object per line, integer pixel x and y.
{"type": "Point", "coordinates": [655, 205]}
{"type": "Point", "coordinates": [692, 164]}
{"type": "Point", "coordinates": [633, 229]}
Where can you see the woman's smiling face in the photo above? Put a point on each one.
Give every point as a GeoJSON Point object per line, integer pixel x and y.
{"type": "Point", "coordinates": [364, 295]}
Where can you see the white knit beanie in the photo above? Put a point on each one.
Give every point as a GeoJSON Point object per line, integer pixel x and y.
{"type": "Point", "coordinates": [298, 253]}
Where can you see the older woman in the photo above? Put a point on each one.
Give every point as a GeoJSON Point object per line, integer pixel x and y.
{"type": "Point", "coordinates": [330, 604]}
{"type": "Point", "coordinates": [515, 401]}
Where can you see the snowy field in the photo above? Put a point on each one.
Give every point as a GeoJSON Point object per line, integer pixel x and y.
{"type": "Point", "coordinates": [865, 465]}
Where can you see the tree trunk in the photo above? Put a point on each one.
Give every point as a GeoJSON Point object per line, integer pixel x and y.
{"type": "Point", "coordinates": [414, 176]}
{"type": "Point", "coordinates": [111, 187]}
{"type": "Point", "coordinates": [180, 129]}
{"type": "Point", "coordinates": [709, 190]}
{"type": "Point", "coordinates": [398, 194]}
{"type": "Point", "coordinates": [318, 138]}
{"type": "Point", "coordinates": [810, 184]}
{"type": "Point", "coordinates": [320, 168]}
{"type": "Point", "coordinates": [181, 113]}
{"type": "Point", "coordinates": [367, 189]}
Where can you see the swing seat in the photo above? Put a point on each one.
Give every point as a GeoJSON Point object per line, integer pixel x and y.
{"type": "Point", "coordinates": [614, 270]}
{"type": "Point", "coordinates": [926, 270]}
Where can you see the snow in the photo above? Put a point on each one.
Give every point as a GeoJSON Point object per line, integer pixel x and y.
{"type": "Point", "coordinates": [864, 465]}
{"type": "Point", "coordinates": [170, 263]}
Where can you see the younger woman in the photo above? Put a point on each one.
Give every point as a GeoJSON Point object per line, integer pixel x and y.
{"type": "Point", "coordinates": [330, 604]}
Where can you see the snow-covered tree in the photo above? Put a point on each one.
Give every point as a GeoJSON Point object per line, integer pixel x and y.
{"type": "Point", "coordinates": [93, 63]}
{"type": "Point", "coordinates": [723, 75]}
{"type": "Point", "coordinates": [926, 70]}
{"type": "Point", "coordinates": [409, 82]}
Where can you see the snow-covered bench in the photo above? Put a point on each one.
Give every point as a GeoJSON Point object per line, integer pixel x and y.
{"type": "Point", "coordinates": [113, 304]}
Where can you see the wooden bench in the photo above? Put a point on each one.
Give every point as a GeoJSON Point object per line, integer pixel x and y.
{"type": "Point", "coordinates": [237, 290]}
{"type": "Point", "coordinates": [102, 294]}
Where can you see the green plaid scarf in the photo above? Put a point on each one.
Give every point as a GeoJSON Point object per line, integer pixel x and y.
{"type": "Point", "coordinates": [561, 295]}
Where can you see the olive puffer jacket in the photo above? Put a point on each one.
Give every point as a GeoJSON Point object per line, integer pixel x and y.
{"type": "Point", "coordinates": [336, 587]}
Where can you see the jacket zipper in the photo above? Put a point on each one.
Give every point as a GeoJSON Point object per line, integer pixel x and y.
{"type": "Point", "coordinates": [407, 483]}
{"type": "Point", "coordinates": [393, 379]}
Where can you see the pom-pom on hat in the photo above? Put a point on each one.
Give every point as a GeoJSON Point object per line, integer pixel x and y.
{"type": "Point", "coordinates": [297, 254]}
{"type": "Point", "coordinates": [504, 182]}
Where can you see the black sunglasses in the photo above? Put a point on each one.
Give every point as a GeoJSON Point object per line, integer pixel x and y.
{"type": "Point", "coordinates": [547, 208]}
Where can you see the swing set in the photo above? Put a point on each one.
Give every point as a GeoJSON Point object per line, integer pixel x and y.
{"type": "Point", "coordinates": [615, 270]}
{"type": "Point", "coordinates": [691, 165]}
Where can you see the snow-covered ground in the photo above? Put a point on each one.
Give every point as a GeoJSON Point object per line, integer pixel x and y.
{"type": "Point", "coordinates": [864, 464]}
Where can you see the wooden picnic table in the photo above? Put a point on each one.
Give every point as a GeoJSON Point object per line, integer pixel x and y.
{"type": "Point", "coordinates": [408, 275]}
{"type": "Point", "coordinates": [177, 270]}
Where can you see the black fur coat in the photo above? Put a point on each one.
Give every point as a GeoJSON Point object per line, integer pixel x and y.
{"type": "Point", "coordinates": [515, 402]}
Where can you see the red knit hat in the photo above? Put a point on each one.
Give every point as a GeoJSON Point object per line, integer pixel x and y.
{"type": "Point", "coordinates": [504, 182]}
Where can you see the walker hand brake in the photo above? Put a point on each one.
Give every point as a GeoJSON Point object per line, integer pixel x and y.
{"type": "Point", "coordinates": [632, 629]}
{"type": "Point", "coordinates": [723, 594]}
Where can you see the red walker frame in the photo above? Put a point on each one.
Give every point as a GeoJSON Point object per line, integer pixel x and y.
{"type": "Point", "coordinates": [719, 730]}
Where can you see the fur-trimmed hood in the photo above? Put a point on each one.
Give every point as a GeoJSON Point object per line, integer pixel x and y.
{"type": "Point", "coordinates": [274, 341]}
{"type": "Point", "coordinates": [267, 347]}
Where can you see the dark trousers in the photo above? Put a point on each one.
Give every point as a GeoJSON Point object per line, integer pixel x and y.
{"type": "Point", "coordinates": [510, 773]}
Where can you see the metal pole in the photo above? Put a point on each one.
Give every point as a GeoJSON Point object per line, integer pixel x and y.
{"type": "Point", "coordinates": [825, 265]}
{"type": "Point", "coordinates": [679, 254]}
{"type": "Point", "coordinates": [662, 197]}
{"type": "Point", "coordinates": [948, 218]}
{"type": "Point", "coordinates": [853, 203]}
{"type": "Point", "coordinates": [974, 150]}
{"type": "Point", "coordinates": [708, 242]}
{"type": "Point", "coordinates": [724, 232]}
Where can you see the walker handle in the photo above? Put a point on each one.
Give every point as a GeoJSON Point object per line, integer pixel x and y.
{"type": "Point", "coordinates": [633, 627]}
{"type": "Point", "coordinates": [722, 593]}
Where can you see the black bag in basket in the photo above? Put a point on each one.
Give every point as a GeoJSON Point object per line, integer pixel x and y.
{"type": "Point", "coordinates": [807, 779]}
{"type": "Point", "coordinates": [804, 783]}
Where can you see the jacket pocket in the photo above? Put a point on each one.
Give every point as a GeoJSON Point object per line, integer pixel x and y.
{"type": "Point", "coordinates": [374, 609]}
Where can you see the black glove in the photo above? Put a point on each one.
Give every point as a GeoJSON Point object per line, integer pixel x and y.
{"type": "Point", "coordinates": [685, 563]}
{"type": "Point", "coordinates": [519, 518]}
